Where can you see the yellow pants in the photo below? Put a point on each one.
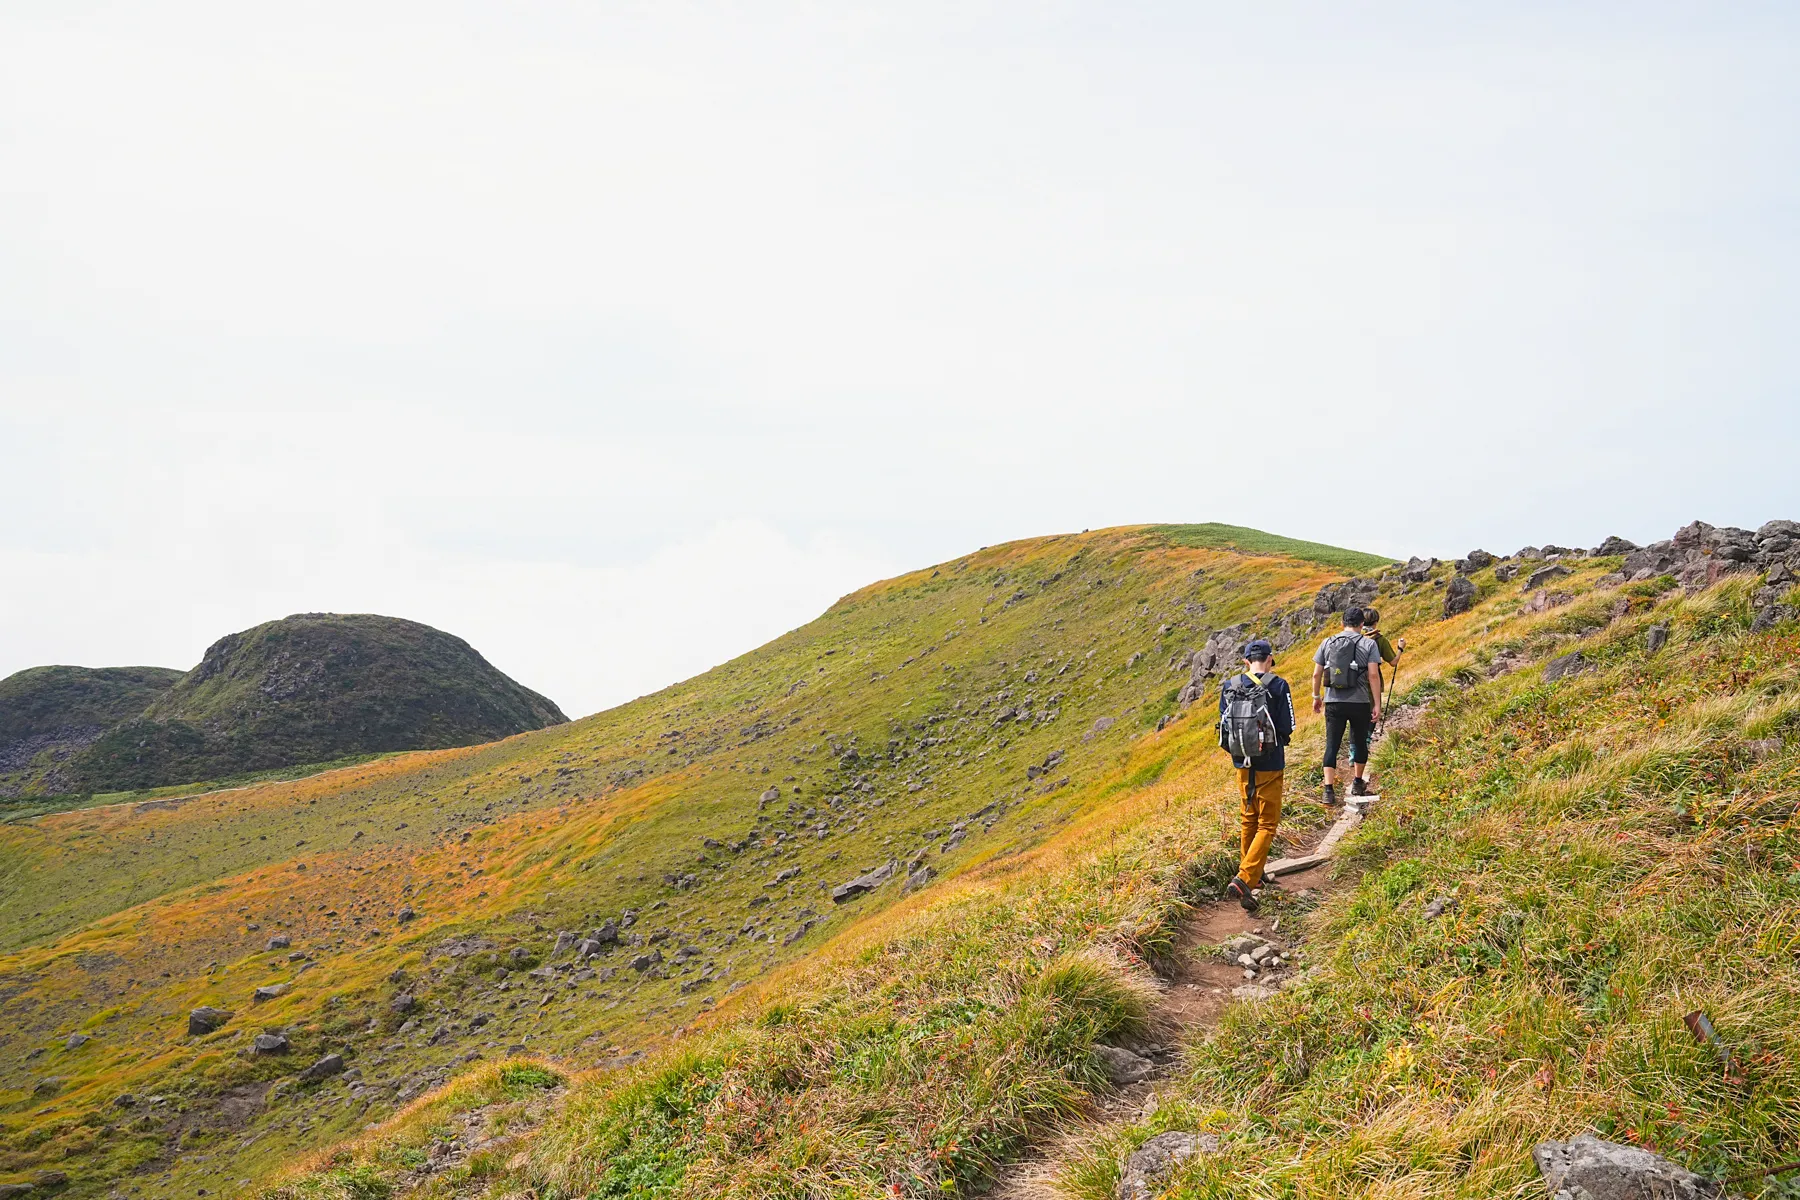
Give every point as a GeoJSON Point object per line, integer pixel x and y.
{"type": "Point", "coordinates": [1262, 813]}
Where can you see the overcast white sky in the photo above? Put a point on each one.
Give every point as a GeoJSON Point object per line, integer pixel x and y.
{"type": "Point", "coordinates": [618, 339]}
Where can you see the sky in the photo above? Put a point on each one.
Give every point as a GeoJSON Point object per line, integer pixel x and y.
{"type": "Point", "coordinates": [618, 339]}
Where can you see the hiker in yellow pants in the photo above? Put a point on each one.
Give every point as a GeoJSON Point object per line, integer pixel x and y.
{"type": "Point", "coordinates": [1256, 718]}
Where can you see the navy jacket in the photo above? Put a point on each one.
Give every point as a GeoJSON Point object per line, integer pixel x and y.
{"type": "Point", "coordinates": [1281, 710]}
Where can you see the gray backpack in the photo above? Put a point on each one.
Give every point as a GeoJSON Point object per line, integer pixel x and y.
{"type": "Point", "coordinates": [1246, 729]}
{"type": "Point", "coordinates": [1345, 668]}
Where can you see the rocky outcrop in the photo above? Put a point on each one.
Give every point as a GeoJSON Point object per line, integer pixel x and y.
{"type": "Point", "coordinates": [1459, 597]}
{"type": "Point", "coordinates": [1151, 1163]}
{"type": "Point", "coordinates": [867, 882]}
{"type": "Point", "coordinates": [1587, 1168]}
{"type": "Point", "coordinates": [206, 1019]}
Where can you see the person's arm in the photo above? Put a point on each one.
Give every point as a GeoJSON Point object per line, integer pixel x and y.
{"type": "Point", "coordinates": [1283, 713]}
{"type": "Point", "coordinates": [1318, 687]}
{"type": "Point", "coordinates": [1375, 686]}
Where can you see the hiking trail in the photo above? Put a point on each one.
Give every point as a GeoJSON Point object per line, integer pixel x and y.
{"type": "Point", "coordinates": [1200, 988]}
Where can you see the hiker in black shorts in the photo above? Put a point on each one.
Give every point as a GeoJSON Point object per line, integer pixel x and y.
{"type": "Point", "coordinates": [1347, 688]}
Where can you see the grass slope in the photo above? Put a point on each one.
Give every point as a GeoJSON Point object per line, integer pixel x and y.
{"type": "Point", "coordinates": [1620, 841]}
{"type": "Point", "coordinates": [911, 722]}
{"type": "Point", "coordinates": [307, 689]}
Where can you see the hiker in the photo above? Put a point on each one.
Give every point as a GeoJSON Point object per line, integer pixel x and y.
{"type": "Point", "coordinates": [1256, 718]}
{"type": "Point", "coordinates": [1346, 686]}
{"type": "Point", "coordinates": [1389, 655]}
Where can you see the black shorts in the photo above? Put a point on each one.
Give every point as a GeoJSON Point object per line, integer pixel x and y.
{"type": "Point", "coordinates": [1361, 720]}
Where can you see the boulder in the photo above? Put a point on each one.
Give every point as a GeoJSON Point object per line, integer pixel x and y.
{"type": "Point", "coordinates": [607, 934]}
{"type": "Point", "coordinates": [404, 1003]}
{"type": "Point", "coordinates": [564, 941]}
{"type": "Point", "coordinates": [1779, 528]}
{"type": "Point", "coordinates": [1613, 545]}
{"type": "Point", "coordinates": [1460, 596]}
{"type": "Point", "coordinates": [1656, 637]}
{"type": "Point", "coordinates": [767, 798]}
{"type": "Point", "coordinates": [1475, 560]}
{"type": "Point", "coordinates": [270, 991]}
{"type": "Point", "coordinates": [331, 1064]}
{"type": "Point", "coordinates": [270, 1043]}
{"type": "Point", "coordinates": [1768, 617]}
{"type": "Point", "coordinates": [868, 881]}
{"type": "Point", "coordinates": [1588, 1168]}
{"type": "Point", "coordinates": [1506, 571]}
{"type": "Point", "coordinates": [1648, 563]}
{"type": "Point", "coordinates": [48, 1181]}
{"type": "Point", "coordinates": [75, 1041]}
{"type": "Point", "coordinates": [280, 941]}
{"type": "Point", "coordinates": [643, 962]}
{"type": "Point", "coordinates": [206, 1019]}
{"type": "Point", "coordinates": [1569, 664]}
{"type": "Point", "coordinates": [1416, 570]}
{"type": "Point", "coordinates": [12, 1191]}
{"type": "Point", "coordinates": [1154, 1161]}
{"type": "Point", "coordinates": [405, 915]}
{"type": "Point", "coordinates": [1122, 1067]}
{"type": "Point", "coordinates": [1544, 575]}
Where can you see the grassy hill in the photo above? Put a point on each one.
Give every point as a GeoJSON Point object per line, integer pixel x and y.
{"type": "Point", "coordinates": [307, 689]}
{"type": "Point", "coordinates": [48, 714]}
{"type": "Point", "coordinates": [1003, 729]}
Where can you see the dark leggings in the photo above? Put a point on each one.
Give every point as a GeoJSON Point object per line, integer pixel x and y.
{"type": "Point", "coordinates": [1360, 718]}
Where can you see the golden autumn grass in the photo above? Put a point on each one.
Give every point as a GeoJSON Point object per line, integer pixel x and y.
{"type": "Point", "coordinates": [1618, 855]}
{"type": "Point", "coordinates": [155, 908]}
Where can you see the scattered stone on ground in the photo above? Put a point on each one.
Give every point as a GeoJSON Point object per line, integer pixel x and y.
{"type": "Point", "coordinates": [1439, 907]}
{"type": "Point", "coordinates": [1123, 1067]}
{"type": "Point", "coordinates": [1568, 664]}
{"type": "Point", "coordinates": [1151, 1163]}
{"type": "Point", "coordinates": [206, 1019]}
{"type": "Point", "coordinates": [269, 1043]}
{"type": "Point", "coordinates": [867, 882]}
{"type": "Point", "coordinates": [1587, 1168]}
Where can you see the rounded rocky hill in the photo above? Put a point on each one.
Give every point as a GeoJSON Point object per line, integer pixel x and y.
{"type": "Point", "coordinates": [48, 714]}
{"type": "Point", "coordinates": [312, 688]}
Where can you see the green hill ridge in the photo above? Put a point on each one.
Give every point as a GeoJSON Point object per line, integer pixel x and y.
{"type": "Point", "coordinates": [312, 688]}
{"type": "Point", "coordinates": [48, 714]}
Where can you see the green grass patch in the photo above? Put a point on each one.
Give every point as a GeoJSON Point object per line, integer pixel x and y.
{"type": "Point", "coordinates": [1214, 536]}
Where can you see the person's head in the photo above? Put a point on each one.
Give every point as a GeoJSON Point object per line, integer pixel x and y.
{"type": "Point", "coordinates": [1371, 618]}
{"type": "Point", "coordinates": [1259, 656]}
{"type": "Point", "coordinates": [1353, 618]}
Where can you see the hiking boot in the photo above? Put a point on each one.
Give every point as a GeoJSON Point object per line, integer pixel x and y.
{"type": "Point", "coordinates": [1359, 787]}
{"type": "Point", "coordinates": [1331, 799]}
{"type": "Point", "coordinates": [1238, 890]}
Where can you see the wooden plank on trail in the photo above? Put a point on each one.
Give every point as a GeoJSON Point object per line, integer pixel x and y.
{"type": "Point", "coordinates": [1350, 818]}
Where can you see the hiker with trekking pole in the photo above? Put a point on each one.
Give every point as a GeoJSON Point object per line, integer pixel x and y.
{"type": "Point", "coordinates": [1390, 651]}
{"type": "Point", "coordinates": [1346, 686]}
{"type": "Point", "coordinates": [1256, 719]}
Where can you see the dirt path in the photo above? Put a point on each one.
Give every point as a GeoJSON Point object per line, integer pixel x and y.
{"type": "Point", "coordinates": [1199, 989]}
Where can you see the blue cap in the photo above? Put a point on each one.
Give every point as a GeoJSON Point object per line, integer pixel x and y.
{"type": "Point", "coordinates": [1258, 650]}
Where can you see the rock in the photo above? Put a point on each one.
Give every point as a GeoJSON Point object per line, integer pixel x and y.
{"type": "Point", "coordinates": [50, 1180]}
{"type": "Point", "coordinates": [767, 798]}
{"type": "Point", "coordinates": [1769, 617]}
{"type": "Point", "coordinates": [1264, 952]}
{"type": "Point", "coordinates": [1156, 1159]}
{"type": "Point", "coordinates": [1439, 907]}
{"type": "Point", "coordinates": [270, 991]}
{"type": "Point", "coordinates": [1569, 664]}
{"type": "Point", "coordinates": [405, 915]}
{"type": "Point", "coordinates": [1252, 992]}
{"type": "Point", "coordinates": [1648, 563]}
{"type": "Point", "coordinates": [866, 882]}
{"type": "Point", "coordinates": [1761, 748]}
{"type": "Point", "coordinates": [1460, 597]}
{"type": "Point", "coordinates": [331, 1064]}
{"type": "Point", "coordinates": [918, 878]}
{"type": "Point", "coordinates": [125, 1100]}
{"type": "Point", "coordinates": [587, 948]}
{"type": "Point", "coordinates": [206, 1019]}
{"type": "Point", "coordinates": [1506, 571]}
{"type": "Point", "coordinates": [1779, 529]}
{"type": "Point", "coordinates": [404, 1003]}
{"type": "Point", "coordinates": [270, 1043]}
{"type": "Point", "coordinates": [1529, 554]}
{"type": "Point", "coordinates": [1544, 600]}
{"type": "Point", "coordinates": [1122, 1067]}
{"type": "Point", "coordinates": [1544, 575]}
{"type": "Point", "coordinates": [48, 1086]}
{"type": "Point", "coordinates": [1613, 545]}
{"type": "Point", "coordinates": [1475, 561]}
{"type": "Point", "coordinates": [10, 1191]}
{"type": "Point", "coordinates": [1102, 724]}
{"type": "Point", "coordinates": [1656, 637]}
{"type": "Point", "coordinates": [1588, 1168]}
{"type": "Point", "coordinates": [280, 941]}
{"type": "Point", "coordinates": [76, 1040]}
{"type": "Point", "coordinates": [1416, 570]}
{"type": "Point", "coordinates": [643, 962]}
